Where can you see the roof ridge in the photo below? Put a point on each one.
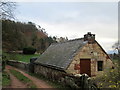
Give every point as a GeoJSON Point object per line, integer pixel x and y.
{"type": "Point", "coordinates": [67, 41]}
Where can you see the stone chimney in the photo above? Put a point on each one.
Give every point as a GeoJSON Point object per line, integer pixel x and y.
{"type": "Point", "coordinates": [89, 37]}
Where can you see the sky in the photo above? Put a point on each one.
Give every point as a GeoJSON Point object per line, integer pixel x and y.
{"type": "Point", "coordinates": [73, 19]}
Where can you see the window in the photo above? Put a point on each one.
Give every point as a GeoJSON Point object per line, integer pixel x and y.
{"type": "Point", "coordinates": [100, 65]}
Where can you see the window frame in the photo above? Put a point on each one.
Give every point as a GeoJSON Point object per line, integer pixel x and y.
{"type": "Point", "coordinates": [99, 65]}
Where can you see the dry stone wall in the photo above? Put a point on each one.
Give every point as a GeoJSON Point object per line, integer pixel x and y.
{"type": "Point", "coordinates": [19, 64]}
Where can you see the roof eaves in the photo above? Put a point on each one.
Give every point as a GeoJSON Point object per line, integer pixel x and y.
{"type": "Point", "coordinates": [50, 66]}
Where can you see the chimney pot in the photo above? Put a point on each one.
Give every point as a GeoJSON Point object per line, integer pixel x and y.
{"type": "Point", "coordinates": [89, 37]}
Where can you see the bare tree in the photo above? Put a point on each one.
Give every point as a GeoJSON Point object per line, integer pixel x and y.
{"type": "Point", "coordinates": [7, 10]}
{"type": "Point", "coordinates": [116, 46]}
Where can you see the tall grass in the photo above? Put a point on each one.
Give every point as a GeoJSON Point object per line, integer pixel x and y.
{"type": "Point", "coordinates": [5, 79]}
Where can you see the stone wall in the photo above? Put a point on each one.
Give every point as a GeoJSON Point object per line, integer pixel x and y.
{"type": "Point", "coordinates": [56, 75]}
{"type": "Point", "coordinates": [19, 64]}
{"type": "Point", "coordinates": [82, 81]}
{"type": "Point", "coordinates": [48, 72]}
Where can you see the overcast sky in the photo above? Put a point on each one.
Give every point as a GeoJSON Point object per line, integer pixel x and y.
{"type": "Point", "coordinates": [74, 19]}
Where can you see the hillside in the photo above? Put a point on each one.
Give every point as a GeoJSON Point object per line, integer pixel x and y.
{"type": "Point", "coordinates": [17, 35]}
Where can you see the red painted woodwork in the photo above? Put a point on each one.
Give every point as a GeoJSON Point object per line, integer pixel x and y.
{"type": "Point", "coordinates": [85, 66]}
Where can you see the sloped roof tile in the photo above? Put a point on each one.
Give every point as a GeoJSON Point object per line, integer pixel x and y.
{"type": "Point", "coordinates": [60, 55]}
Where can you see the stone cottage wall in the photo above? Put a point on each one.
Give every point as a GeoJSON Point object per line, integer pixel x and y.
{"type": "Point", "coordinates": [94, 53]}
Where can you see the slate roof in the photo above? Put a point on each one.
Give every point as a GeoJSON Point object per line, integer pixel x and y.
{"type": "Point", "coordinates": [60, 55]}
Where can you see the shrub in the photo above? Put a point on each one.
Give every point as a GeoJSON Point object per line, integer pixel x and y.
{"type": "Point", "coordinates": [29, 50]}
{"type": "Point", "coordinates": [109, 79]}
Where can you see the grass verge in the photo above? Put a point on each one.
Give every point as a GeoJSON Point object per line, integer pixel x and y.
{"type": "Point", "coordinates": [5, 79]}
{"type": "Point", "coordinates": [23, 78]}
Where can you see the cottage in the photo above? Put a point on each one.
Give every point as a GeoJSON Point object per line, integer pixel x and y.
{"type": "Point", "coordinates": [83, 55]}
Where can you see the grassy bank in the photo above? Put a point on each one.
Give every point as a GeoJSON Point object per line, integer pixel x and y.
{"type": "Point", "coordinates": [23, 79]}
{"type": "Point", "coordinates": [25, 58]}
{"type": "Point", "coordinates": [5, 79]}
{"type": "Point", "coordinates": [20, 57]}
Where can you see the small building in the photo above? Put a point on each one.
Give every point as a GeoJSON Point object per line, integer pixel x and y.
{"type": "Point", "coordinates": [78, 56]}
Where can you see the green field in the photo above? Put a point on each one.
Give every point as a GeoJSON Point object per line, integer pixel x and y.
{"type": "Point", "coordinates": [25, 58]}
{"type": "Point", "coordinates": [20, 57]}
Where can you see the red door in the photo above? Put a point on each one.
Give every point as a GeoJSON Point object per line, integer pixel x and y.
{"type": "Point", "coordinates": [85, 66]}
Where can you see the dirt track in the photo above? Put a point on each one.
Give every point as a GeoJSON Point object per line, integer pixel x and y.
{"type": "Point", "coordinates": [15, 83]}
